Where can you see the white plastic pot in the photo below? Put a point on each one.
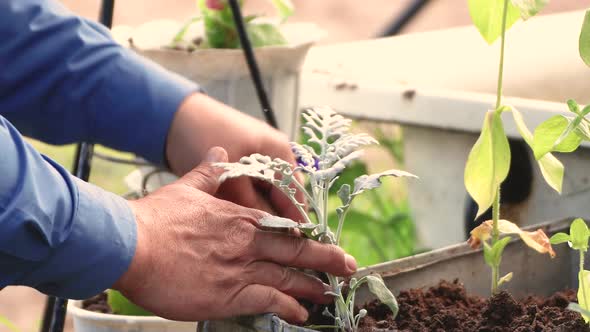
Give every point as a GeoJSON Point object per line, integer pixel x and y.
{"type": "Point", "coordinates": [224, 74]}
{"type": "Point", "coordinates": [89, 321]}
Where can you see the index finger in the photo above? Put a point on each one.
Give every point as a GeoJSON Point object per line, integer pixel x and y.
{"type": "Point", "coordinates": [303, 253]}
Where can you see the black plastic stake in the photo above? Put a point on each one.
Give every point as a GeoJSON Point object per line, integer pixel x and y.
{"type": "Point", "coordinates": [54, 315]}
{"type": "Point", "coordinates": [252, 64]}
{"type": "Point", "coordinates": [404, 18]}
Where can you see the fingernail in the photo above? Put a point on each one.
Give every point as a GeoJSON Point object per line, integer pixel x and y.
{"type": "Point", "coordinates": [303, 314]}
{"type": "Point", "coordinates": [215, 154]}
{"type": "Point", "coordinates": [350, 263]}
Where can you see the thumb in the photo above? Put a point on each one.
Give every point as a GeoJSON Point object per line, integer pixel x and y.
{"type": "Point", "coordinates": [205, 177]}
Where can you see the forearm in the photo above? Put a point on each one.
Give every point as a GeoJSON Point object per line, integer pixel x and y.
{"type": "Point", "coordinates": [58, 234]}
{"type": "Point", "coordinates": [64, 79]}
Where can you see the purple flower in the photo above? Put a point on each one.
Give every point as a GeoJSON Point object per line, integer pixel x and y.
{"type": "Point", "coordinates": [308, 163]}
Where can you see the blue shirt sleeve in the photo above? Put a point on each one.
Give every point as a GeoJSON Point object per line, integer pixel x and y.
{"type": "Point", "coordinates": [58, 234]}
{"type": "Point", "coordinates": [63, 79]}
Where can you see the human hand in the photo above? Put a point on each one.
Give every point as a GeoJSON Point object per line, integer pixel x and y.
{"type": "Point", "coordinates": [202, 123]}
{"type": "Point", "coordinates": [199, 257]}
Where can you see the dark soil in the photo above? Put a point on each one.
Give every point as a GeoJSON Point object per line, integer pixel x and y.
{"type": "Point", "coordinates": [447, 307]}
{"type": "Point", "coordinates": [97, 303]}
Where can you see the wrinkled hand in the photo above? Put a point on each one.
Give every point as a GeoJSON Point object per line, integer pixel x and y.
{"type": "Point", "coordinates": [199, 257]}
{"type": "Point", "coordinates": [202, 123]}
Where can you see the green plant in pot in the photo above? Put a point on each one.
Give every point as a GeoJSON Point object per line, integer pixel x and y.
{"type": "Point", "coordinates": [331, 149]}
{"type": "Point", "coordinates": [220, 30]}
{"type": "Point", "coordinates": [489, 160]}
{"type": "Point", "coordinates": [206, 50]}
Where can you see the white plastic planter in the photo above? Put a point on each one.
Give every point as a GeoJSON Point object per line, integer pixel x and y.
{"type": "Point", "coordinates": [224, 74]}
{"type": "Point", "coordinates": [89, 321]}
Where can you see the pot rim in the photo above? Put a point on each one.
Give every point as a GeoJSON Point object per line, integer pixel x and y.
{"type": "Point", "coordinates": [76, 310]}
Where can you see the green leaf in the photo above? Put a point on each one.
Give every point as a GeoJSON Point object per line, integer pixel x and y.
{"type": "Point", "coordinates": [583, 130]}
{"type": "Point", "coordinates": [121, 306]}
{"type": "Point", "coordinates": [265, 34]}
{"type": "Point", "coordinates": [529, 8]}
{"type": "Point", "coordinates": [378, 288]}
{"type": "Point", "coordinates": [219, 30]}
{"type": "Point", "coordinates": [584, 292]}
{"type": "Point", "coordinates": [488, 256]}
{"type": "Point", "coordinates": [505, 279]}
{"type": "Point", "coordinates": [284, 7]}
{"type": "Point", "coordinates": [585, 39]}
{"type": "Point", "coordinates": [180, 35]}
{"type": "Point", "coordinates": [487, 17]}
{"type": "Point", "coordinates": [559, 238]}
{"type": "Point", "coordinates": [551, 168]}
{"type": "Point", "coordinates": [573, 106]}
{"type": "Point", "coordinates": [497, 249]}
{"type": "Point", "coordinates": [488, 162]}
{"type": "Point", "coordinates": [579, 235]}
{"type": "Point", "coordinates": [555, 134]}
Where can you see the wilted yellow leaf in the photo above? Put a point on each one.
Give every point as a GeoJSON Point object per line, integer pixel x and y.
{"type": "Point", "coordinates": [536, 240]}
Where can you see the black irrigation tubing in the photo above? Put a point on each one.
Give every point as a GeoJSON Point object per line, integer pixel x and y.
{"type": "Point", "coordinates": [124, 161]}
{"type": "Point", "coordinates": [404, 18]}
{"type": "Point", "coordinates": [252, 64]}
{"type": "Point", "coordinates": [54, 315]}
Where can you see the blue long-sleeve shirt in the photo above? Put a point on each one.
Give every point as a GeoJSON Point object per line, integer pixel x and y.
{"type": "Point", "coordinates": [63, 79]}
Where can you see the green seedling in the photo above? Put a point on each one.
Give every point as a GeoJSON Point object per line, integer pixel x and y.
{"type": "Point", "coordinates": [563, 133]}
{"type": "Point", "coordinates": [330, 148]}
{"type": "Point", "coordinates": [489, 160]}
{"type": "Point", "coordinates": [578, 240]}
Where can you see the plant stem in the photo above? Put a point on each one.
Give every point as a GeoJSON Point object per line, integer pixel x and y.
{"type": "Point", "coordinates": [582, 281]}
{"type": "Point", "coordinates": [501, 66]}
{"type": "Point", "coordinates": [496, 217]}
{"type": "Point", "coordinates": [495, 278]}
{"type": "Point", "coordinates": [496, 204]}
{"type": "Point", "coordinates": [309, 197]}
{"type": "Point", "coordinates": [340, 224]}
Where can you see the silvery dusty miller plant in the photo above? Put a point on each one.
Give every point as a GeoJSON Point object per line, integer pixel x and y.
{"type": "Point", "coordinates": [331, 148]}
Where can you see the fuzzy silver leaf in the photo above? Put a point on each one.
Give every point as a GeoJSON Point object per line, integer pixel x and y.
{"type": "Point", "coordinates": [345, 145]}
{"type": "Point", "coordinates": [271, 221]}
{"type": "Point", "coordinates": [256, 166]}
{"type": "Point", "coordinates": [367, 182]}
{"type": "Point", "coordinates": [378, 288]}
{"type": "Point", "coordinates": [344, 194]}
{"type": "Point", "coordinates": [275, 171]}
{"type": "Point", "coordinates": [330, 173]}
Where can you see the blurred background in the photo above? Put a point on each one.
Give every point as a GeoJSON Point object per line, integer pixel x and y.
{"type": "Point", "coordinates": [344, 21]}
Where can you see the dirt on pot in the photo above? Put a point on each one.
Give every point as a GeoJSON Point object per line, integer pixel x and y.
{"type": "Point", "coordinates": [97, 303]}
{"type": "Point", "coordinates": [447, 307]}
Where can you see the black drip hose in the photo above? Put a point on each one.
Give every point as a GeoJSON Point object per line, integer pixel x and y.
{"type": "Point", "coordinates": [54, 315]}
{"type": "Point", "coordinates": [252, 64]}
{"type": "Point", "coordinates": [404, 18]}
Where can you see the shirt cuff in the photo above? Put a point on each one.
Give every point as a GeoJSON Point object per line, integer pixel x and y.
{"type": "Point", "coordinates": [98, 250]}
